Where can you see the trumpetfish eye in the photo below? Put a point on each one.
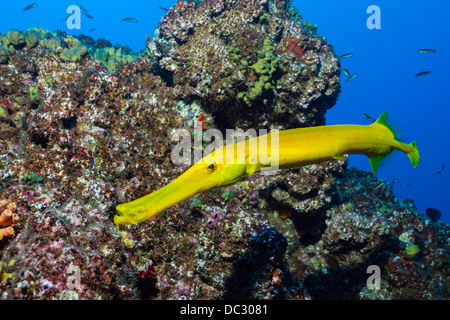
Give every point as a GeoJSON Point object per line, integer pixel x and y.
{"type": "Point", "coordinates": [212, 168]}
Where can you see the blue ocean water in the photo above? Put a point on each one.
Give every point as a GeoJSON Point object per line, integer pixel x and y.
{"type": "Point", "coordinates": [386, 61]}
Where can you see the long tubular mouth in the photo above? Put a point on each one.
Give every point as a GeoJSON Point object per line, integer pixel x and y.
{"type": "Point", "coordinates": [184, 187]}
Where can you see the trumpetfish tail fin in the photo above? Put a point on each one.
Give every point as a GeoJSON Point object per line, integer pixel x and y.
{"type": "Point", "coordinates": [400, 135]}
{"type": "Point", "coordinates": [413, 154]}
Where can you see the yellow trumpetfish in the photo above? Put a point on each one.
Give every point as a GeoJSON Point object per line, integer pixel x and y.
{"type": "Point", "coordinates": [296, 147]}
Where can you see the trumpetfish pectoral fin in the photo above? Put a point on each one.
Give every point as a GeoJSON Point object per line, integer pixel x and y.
{"type": "Point", "coordinates": [377, 161]}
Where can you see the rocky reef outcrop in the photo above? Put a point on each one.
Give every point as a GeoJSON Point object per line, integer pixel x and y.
{"type": "Point", "coordinates": [249, 64]}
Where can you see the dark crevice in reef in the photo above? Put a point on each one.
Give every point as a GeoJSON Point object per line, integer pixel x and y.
{"type": "Point", "coordinates": [40, 139]}
{"type": "Point", "coordinates": [346, 282]}
{"type": "Point", "coordinates": [165, 75]}
{"type": "Point", "coordinates": [69, 122]}
{"type": "Point", "coordinates": [336, 284]}
{"type": "Point", "coordinates": [264, 254]}
{"type": "Point", "coordinates": [147, 283]}
{"type": "Point", "coordinates": [310, 227]}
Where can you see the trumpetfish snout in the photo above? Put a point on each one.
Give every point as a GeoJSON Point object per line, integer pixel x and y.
{"type": "Point", "coordinates": [205, 175]}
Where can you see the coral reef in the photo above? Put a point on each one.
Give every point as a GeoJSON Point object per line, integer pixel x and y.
{"type": "Point", "coordinates": [265, 67]}
{"type": "Point", "coordinates": [200, 46]}
{"type": "Point", "coordinates": [75, 51]}
{"type": "Point", "coordinates": [78, 136]}
{"type": "Point", "coordinates": [70, 49]}
{"type": "Point", "coordinates": [113, 58]}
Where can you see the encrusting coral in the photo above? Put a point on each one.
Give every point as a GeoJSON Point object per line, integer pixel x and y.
{"type": "Point", "coordinates": [7, 219]}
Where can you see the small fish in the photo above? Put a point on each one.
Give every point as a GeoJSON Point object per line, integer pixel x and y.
{"type": "Point", "coordinates": [368, 117]}
{"type": "Point", "coordinates": [394, 181]}
{"type": "Point", "coordinates": [347, 55]}
{"type": "Point", "coordinates": [129, 20]}
{"type": "Point", "coordinates": [439, 172]}
{"type": "Point", "coordinates": [82, 8]}
{"type": "Point", "coordinates": [423, 73]}
{"type": "Point", "coordinates": [31, 6]}
{"type": "Point", "coordinates": [378, 186]}
{"type": "Point", "coordinates": [93, 29]}
{"type": "Point", "coordinates": [87, 15]}
{"type": "Point", "coordinates": [427, 51]}
{"type": "Point", "coordinates": [443, 167]}
{"type": "Point", "coordinates": [163, 9]}
{"type": "Point", "coordinates": [354, 75]}
{"type": "Point", "coordinates": [409, 185]}
{"type": "Point", "coordinates": [347, 73]}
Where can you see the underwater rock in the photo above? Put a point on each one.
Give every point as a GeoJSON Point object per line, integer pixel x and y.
{"type": "Point", "coordinates": [4, 54]}
{"type": "Point", "coordinates": [15, 38]}
{"type": "Point", "coordinates": [69, 48]}
{"type": "Point", "coordinates": [235, 59]}
{"type": "Point", "coordinates": [113, 58]}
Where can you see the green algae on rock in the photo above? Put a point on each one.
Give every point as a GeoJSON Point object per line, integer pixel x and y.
{"type": "Point", "coordinates": [113, 58]}
{"type": "Point", "coordinates": [69, 48]}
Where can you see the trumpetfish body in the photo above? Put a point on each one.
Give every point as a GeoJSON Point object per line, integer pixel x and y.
{"type": "Point", "coordinates": [296, 148]}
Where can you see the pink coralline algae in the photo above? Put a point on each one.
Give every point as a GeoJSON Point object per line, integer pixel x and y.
{"type": "Point", "coordinates": [79, 137]}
